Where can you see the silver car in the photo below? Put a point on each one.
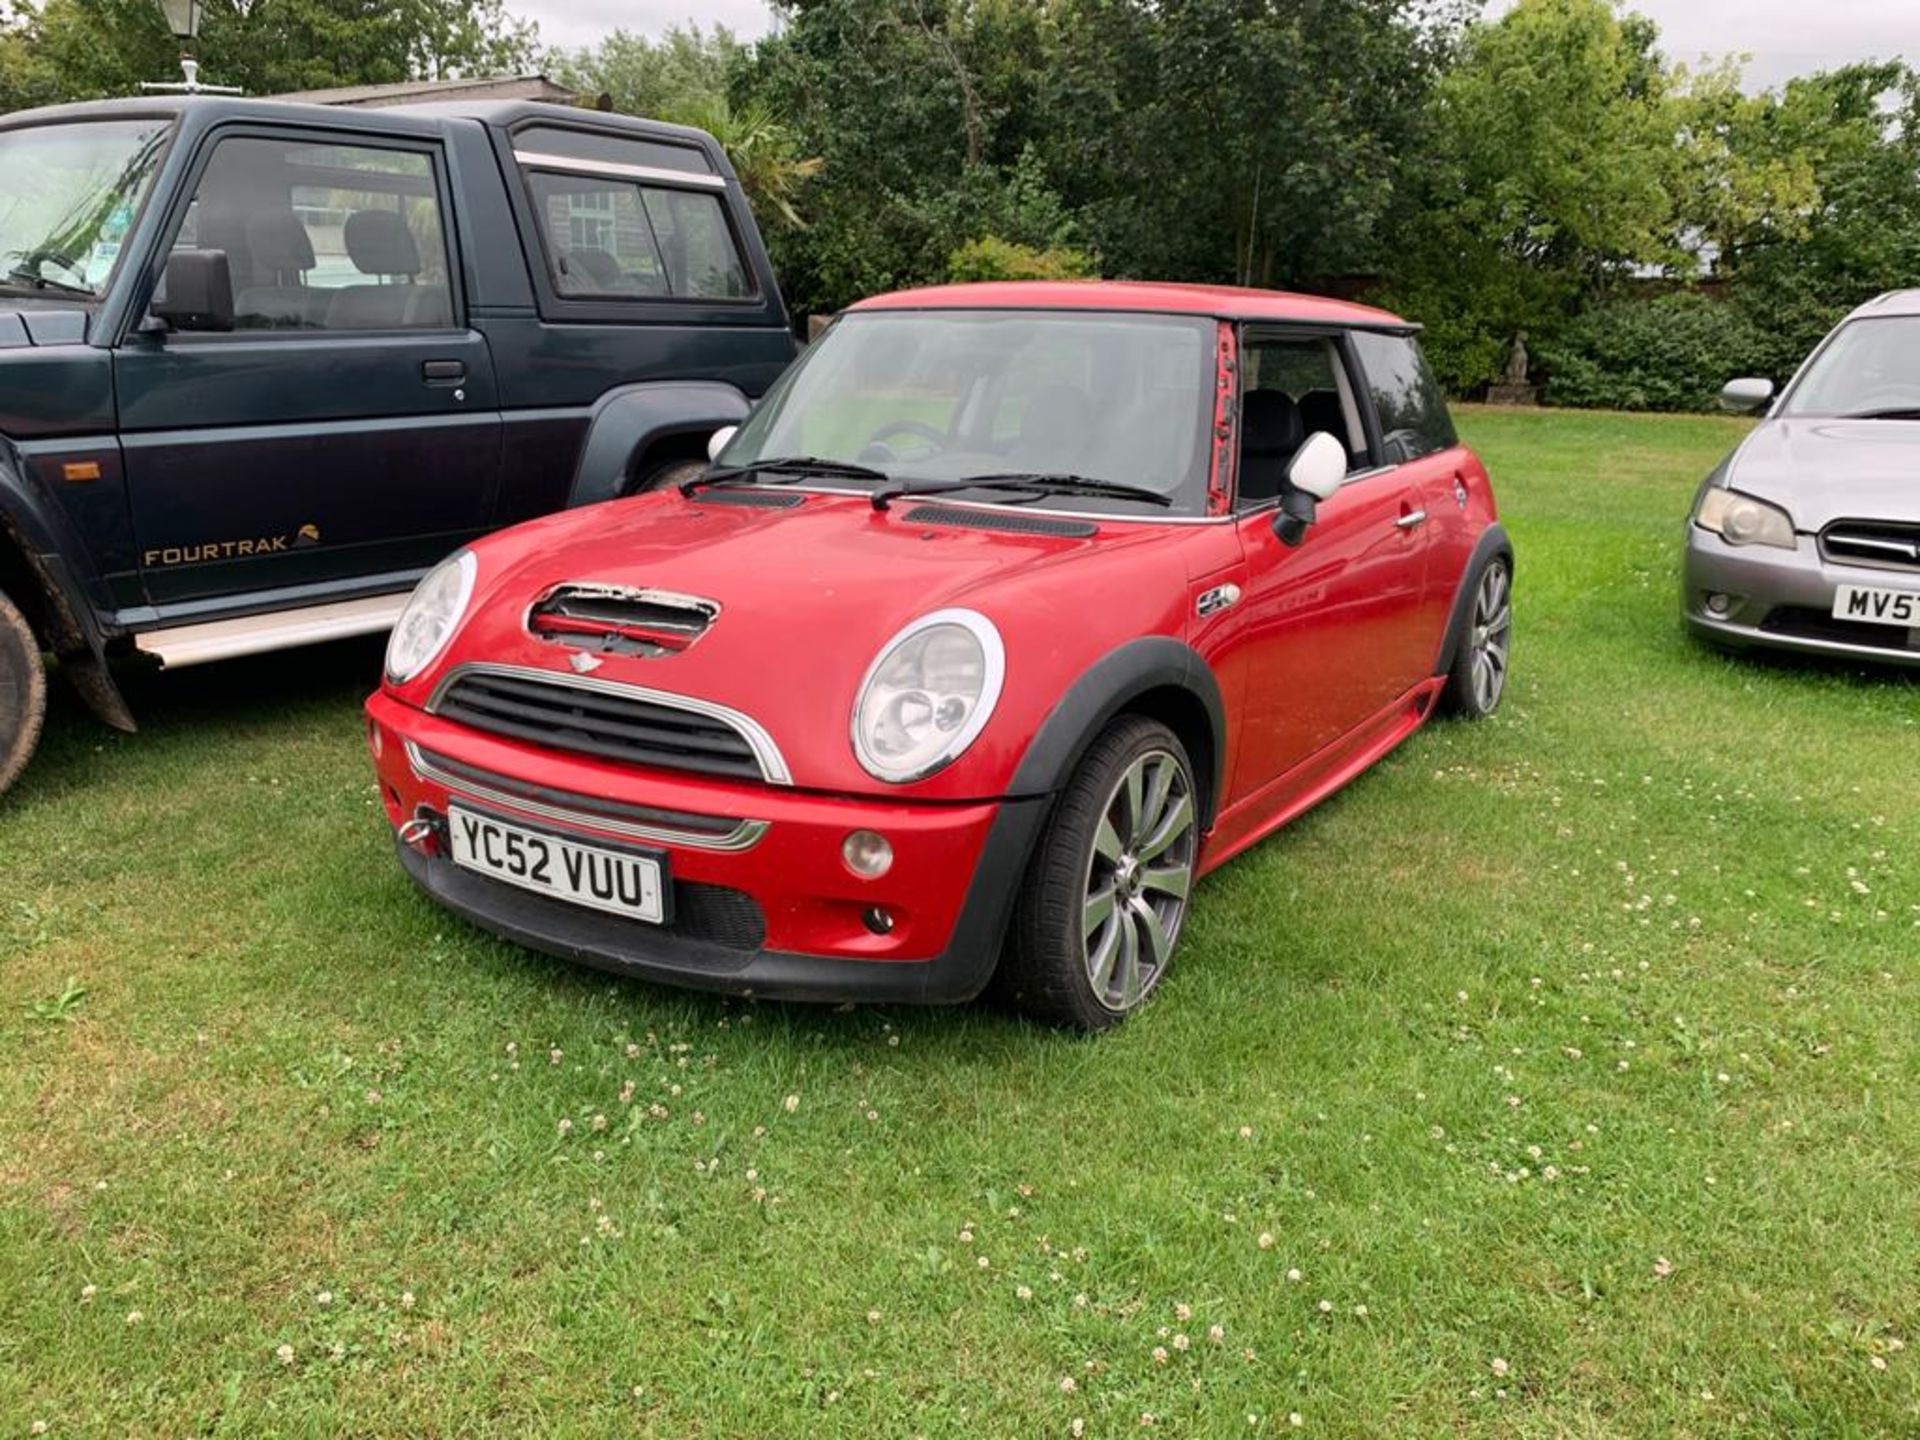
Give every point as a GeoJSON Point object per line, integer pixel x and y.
{"type": "Point", "coordinates": [1807, 537]}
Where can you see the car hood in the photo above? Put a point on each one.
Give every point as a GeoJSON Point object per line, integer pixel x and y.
{"type": "Point", "coordinates": [807, 597]}
{"type": "Point", "coordinates": [1823, 470]}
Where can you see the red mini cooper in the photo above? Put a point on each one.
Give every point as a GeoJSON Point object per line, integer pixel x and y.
{"type": "Point", "coordinates": [1011, 611]}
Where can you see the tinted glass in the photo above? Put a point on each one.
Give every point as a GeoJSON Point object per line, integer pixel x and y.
{"type": "Point", "coordinates": [324, 237]}
{"type": "Point", "coordinates": [1413, 408]}
{"type": "Point", "coordinates": [618, 240]}
{"type": "Point", "coordinates": [1870, 366]}
{"type": "Point", "coordinates": [947, 394]}
{"type": "Point", "coordinates": [71, 194]}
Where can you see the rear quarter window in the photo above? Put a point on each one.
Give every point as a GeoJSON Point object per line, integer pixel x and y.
{"type": "Point", "coordinates": [1411, 405]}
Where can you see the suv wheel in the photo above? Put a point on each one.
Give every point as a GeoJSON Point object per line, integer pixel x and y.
{"type": "Point", "coordinates": [1479, 675]}
{"type": "Point", "coordinates": [1096, 923]}
{"type": "Point", "coordinates": [666, 474]}
{"type": "Point", "coordinates": [23, 692]}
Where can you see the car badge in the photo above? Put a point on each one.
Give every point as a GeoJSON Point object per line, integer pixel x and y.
{"type": "Point", "coordinates": [583, 663]}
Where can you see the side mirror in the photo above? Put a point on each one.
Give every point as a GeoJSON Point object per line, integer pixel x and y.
{"type": "Point", "coordinates": [196, 292]}
{"type": "Point", "coordinates": [1743, 397]}
{"type": "Point", "coordinates": [719, 440]}
{"type": "Point", "coordinates": [1319, 467]}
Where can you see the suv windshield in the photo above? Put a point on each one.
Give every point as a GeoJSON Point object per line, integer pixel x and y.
{"type": "Point", "coordinates": [931, 396]}
{"type": "Point", "coordinates": [1871, 367]}
{"type": "Point", "coordinates": [68, 195]}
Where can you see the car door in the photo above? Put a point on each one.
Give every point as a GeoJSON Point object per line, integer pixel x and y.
{"type": "Point", "coordinates": [347, 429]}
{"type": "Point", "coordinates": [1332, 628]}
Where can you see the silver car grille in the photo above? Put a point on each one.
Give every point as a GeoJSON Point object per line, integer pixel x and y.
{"type": "Point", "coordinates": [1882, 544]}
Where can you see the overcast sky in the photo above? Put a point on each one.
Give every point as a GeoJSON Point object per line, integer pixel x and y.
{"type": "Point", "coordinates": [1784, 37]}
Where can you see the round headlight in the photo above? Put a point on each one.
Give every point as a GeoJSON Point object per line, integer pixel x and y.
{"type": "Point", "coordinates": [431, 616]}
{"type": "Point", "coordinates": [928, 695]}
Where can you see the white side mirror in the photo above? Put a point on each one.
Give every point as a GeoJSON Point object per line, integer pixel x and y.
{"type": "Point", "coordinates": [1318, 467]}
{"type": "Point", "coordinates": [1743, 397]}
{"type": "Point", "coordinates": [719, 440]}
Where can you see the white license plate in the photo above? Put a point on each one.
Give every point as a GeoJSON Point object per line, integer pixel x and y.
{"type": "Point", "coordinates": [602, 878]}
{"type": "Point", "coordinates": [1877, 605]}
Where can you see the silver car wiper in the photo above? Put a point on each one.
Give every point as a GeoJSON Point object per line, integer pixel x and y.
{"type": "Point", "coordinates": [799, 466]}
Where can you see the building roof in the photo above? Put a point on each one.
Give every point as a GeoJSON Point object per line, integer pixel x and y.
{"type": "Point", "coordinates": [409, 92]}
{"type": "Point", "coordinates": [1224, 301]}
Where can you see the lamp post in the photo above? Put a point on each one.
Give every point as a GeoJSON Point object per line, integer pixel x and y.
{"type": "Point", "coordinates": [183, 19]}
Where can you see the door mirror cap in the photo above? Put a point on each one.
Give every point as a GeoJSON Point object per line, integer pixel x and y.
{"type": "Point", "coordinates": [1319, 467]}
{"type": "Point", "coordinates": [719, 439]}
{"type": "Point", "coordinates": [196, 291]}
{"type": "Point", "coordinates": [1743, 397]}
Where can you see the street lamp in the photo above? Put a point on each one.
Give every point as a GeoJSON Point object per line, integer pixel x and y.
{"type": "Point", "coordinates": [183, 19]}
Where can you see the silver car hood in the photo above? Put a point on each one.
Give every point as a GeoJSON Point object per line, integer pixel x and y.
{"type": "Point", "coordinates": [1823, 470]}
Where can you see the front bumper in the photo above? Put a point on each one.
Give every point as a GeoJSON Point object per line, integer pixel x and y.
{"type": "Point", "coordinates": [763, 904]}
{"type": "Point", "coordinates": [1783, 600]}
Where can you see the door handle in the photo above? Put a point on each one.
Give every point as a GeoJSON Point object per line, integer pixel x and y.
{"type": "Point", "coordinates": [1410, 520]}
{"type": "Point", "coordinates": [444, 372]}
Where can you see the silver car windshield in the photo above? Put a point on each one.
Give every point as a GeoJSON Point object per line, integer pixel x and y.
{"type": "Point", "coordinates": [1871, 367]}
{"type": "Point", "coordinates": [68, 198]}
{"type": "Point", "coordinates": [932, 396]}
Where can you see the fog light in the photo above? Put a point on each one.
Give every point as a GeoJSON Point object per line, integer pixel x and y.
{"type": "Point", "coordinates": [877, 920]}
{"type": "Point", "coordinates": [868, 855]}
{"type": "Point", "coordinates": [1718, 604]}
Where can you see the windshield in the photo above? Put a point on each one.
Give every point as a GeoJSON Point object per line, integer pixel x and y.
{"type": "Point", "coordinates": [1869, 367]}
{"type": "Point", "coordinates": [931, 396]}
{"type": "Point", "coordinates": [68, 195]}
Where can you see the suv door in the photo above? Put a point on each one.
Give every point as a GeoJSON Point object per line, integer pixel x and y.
{"type": "Point", "coordinates": [1334, 626]}
{"type": "Point", "coordinates": [348, 427]}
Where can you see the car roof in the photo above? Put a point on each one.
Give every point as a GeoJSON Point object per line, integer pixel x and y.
{"type": "Point", "coordinates": [1894, 302]}
{"type": "Point", "coordinates": [1225, 302]}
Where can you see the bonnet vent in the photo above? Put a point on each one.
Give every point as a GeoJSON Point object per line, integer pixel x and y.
{"type": "Point", "coordinates": [753, 499]}
{"type": "Point", "coordinates": [616, 620]}
{"type": "Point", "coordinates": [1013, 524]}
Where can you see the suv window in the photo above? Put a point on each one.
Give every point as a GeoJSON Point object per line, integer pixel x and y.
{"type": "Point", "coordinates": [626, 218]}
{"type": "Point", "coordinates": [1413, 408]}
{"type": "Point", "coordinates": [324, 237]}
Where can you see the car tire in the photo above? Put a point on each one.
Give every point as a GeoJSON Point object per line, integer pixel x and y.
{"type": "Point", "coordinates": [1478, 678]}
{"type": "Point", "coordinates": [1099, 916]}
{"type": "Point", "coordinates": [23, 693]}
{"type": "Point", "coordinates": [666, 475]}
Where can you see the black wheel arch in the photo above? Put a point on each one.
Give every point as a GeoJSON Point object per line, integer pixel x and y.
{"type": "Point", "coordinates": [1157, 676]}
{"type": "Point", "coordinates": [1492, 544]}
{"type": "Point", "coordinates": [633, 427]}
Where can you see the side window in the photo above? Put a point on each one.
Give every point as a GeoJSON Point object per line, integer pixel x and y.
{"type": "Point", "coordinates": [324, 236]}
{"type": "Point", "coordinates": [1291, 387]}
{"type": "Point", "coordinates": [627, 217]}
{"type": "Point", "coordinates": [1413, 409]}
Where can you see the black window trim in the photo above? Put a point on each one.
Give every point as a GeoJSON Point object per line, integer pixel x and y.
{"type": "Point", "coordinates": [189, 190]}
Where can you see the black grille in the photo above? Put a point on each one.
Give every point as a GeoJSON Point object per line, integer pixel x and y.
{"type": "Point", "coordinates": [592, 807]}
{"type": "Point", "coordinates": [753, 499]}
{"type": "Point", "coordinates": [1883, 544]}
{"type": "Point", "coordinates": [1810, 624]}
{"type": "Point", "coordinates": [564, 716]}
{"type": "Point", "coordinates": [718, 915]}
{"type": "Point", "coordinates": [1012, 523]}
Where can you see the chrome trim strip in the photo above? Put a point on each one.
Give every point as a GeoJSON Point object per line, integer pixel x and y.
{"type": "Point", "coordinates": [773, 767]}
{"type": "Point", "coordinates": [541, 161]}
{"type": "Point", "coordinates": [185, 645]}
{"type": "Point", "coordinates": [743, 836]}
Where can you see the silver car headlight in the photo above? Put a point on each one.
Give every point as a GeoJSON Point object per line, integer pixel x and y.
{"type": "Point", "coordinates": [1742, 520]}
{"type": "Point", "coordinates": [927, 695]}
{"type": "Point", "coordinates": [432, 615]}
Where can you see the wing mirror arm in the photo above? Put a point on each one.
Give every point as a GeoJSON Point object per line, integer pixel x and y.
{"type": "Point", "coordinates": [1297, 511]}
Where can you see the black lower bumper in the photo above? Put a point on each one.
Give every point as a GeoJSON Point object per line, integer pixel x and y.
{"type": "Point", "coordinates": [630, 947]}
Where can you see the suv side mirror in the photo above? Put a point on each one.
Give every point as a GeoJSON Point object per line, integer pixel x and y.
{"type": "Point", "coordinates": [1743, 397]}
{"type": "Point", "coordinates": [196, 292]}
{"type": "Point", "coordinates": [719, 440]}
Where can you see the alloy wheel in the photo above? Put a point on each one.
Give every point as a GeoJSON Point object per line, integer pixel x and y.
{"type": "Point", "coordinates": [1139, 875]}
{"type": "Point", "coordinates": [1491, 637]}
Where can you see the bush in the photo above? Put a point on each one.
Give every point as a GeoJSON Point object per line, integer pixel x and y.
{"type": "Point", "coordinates": [991, 258]}
{"type": "Point", "coordinates": [1664, 352]}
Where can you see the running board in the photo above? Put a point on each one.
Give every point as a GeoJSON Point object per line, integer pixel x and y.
{"type": "Point", "coordinates": [186, 645]}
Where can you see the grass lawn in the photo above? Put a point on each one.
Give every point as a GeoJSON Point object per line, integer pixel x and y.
{"type": "Point", "coordinates": [1558, 1079]}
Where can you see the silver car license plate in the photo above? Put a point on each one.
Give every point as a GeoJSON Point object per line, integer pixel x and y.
{"type": "Point", "coordinates": [600, 877]}
{"type": "Point", "coordinates": [1878, 605]}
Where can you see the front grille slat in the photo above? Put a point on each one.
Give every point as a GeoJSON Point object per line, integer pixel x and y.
{"type": "Point", "coordinates": [1881, 544]}
{"type": "Point", "coordinates": [609, 722]}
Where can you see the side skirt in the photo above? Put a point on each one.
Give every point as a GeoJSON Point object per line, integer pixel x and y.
{"type": "Point", "coordinates": [1318, 776]}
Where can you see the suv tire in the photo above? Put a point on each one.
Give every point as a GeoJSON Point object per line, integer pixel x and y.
{"type": "Point", "coordinates": [23, 692]}
{"type": "Point", "coordinates": [1097, 921]}
{"type": "Point", "coordinates": [666, 474]}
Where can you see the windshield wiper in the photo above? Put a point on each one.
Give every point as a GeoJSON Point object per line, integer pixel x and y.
{"type": "Point", "coordinates": [1040, 482]}
{"type": "Point", "coordinates": [802, 466]}
{"type": "Point", "coordinates": [1898, 412]}
{"type": "Point", "coordinates": [37, 281]}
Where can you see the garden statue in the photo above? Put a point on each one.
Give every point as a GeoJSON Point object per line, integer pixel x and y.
{"type": "Point", "coordinates": [1512, 387]}
{"type": "Point", "coordinates": [1517, 361]}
